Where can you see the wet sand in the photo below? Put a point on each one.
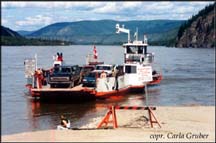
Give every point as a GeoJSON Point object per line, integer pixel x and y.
{"type": "Point", "coordinates": [179, 124]}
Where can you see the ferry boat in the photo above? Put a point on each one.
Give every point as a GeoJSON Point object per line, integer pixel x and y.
{"type": "Point", "coordinates": [136, 72]}
{"type": "Point", "coordinates": [138, 63]}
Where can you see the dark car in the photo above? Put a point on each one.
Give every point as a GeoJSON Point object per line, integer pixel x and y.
{"type": "Point", "coordinates": [90, 79]}
{"type": "Point", "coordinates": [64, 76]}
{"type": "Point", "coordinates": [85, 70]}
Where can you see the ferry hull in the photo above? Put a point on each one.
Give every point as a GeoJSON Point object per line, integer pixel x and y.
{"type": "Point", "coordinates": [70, 95]}
{"type": "Point", "coordinates": [59, 94]}
{"type": "Point", "coordinates": [137, 89]}
{"type": "Point", "coordinates": [156, 81]}
{"type": "Point", "coordinates": [84, 93]}
{"type": "Point", "coordinates": [119, 92]}
{"type": "Point", "coordinates": [75, 94]}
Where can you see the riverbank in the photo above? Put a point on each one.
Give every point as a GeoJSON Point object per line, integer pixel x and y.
{"type": "Point", "coordinates": [179, 124]}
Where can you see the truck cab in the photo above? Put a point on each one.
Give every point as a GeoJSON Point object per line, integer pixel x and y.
{"type": "Point", "coordinates": [64, 76]}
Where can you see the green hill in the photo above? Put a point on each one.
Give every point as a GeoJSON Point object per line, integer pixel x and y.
{"type": "Point", "coordinates": [24, 32]}
{"type": "Point", "coordinates": [8, 32]}
{"type": "Point", "coordinates": [12, 38]}
{"type": "Point", "coordinates": [103, 31]}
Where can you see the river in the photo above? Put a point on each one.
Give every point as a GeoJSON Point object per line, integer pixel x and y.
{"type": "Point", "coordinates": [188, 79]}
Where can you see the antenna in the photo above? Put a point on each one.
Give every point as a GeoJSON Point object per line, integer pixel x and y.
{"type": "Point", "coordinates": [136, 34]}
{"type": "Point", "coordinates": [119, 29]}
{"type": "Point", "coordinates": [145, 39]}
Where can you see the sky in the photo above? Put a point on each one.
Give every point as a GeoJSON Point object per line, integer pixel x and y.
{"type": "Point", "coordinates": [32, 16]}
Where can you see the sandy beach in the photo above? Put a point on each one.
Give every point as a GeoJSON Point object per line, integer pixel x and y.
{"type": "Point", "coordinates": [179, 124]}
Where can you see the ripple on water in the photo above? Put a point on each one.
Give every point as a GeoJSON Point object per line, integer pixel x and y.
{"type": "Point", "coordinates": [188, 79]}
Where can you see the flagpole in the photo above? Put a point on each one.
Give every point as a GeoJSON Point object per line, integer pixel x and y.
{"type": "Point", "coordinates": [35, 61]}
{"type": "Point", "coordinates": [95, 54]}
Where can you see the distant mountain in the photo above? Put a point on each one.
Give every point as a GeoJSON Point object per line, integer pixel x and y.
{"type": "Point", "coordinates": [24, 33]}
{"type": "Point", "coordinates": [103, 31]}
{"type": "Point", "coordinates": [12, 38]}
{"type": "Point", "coordinates": [8, 32]}
{"type": "Point", "coordinates": [199, 30]}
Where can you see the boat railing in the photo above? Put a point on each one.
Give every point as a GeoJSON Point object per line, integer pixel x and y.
{"type": "Point", "coordinates": [142, 58]}
{"type": "Point", "coordinates": [30, 67]}
{"type": "Point", "coordinates": [148, 58]}
{"type": "Point", "coordinates": [133, 57]}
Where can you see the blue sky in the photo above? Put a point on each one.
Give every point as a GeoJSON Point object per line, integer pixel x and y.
{"type": "Point", "coordinates": [34, 15]}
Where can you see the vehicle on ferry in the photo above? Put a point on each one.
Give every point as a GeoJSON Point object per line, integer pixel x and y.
{"type": "Point", "coordinates": [90, 79]}
{"type": "Point", "coordinates": [85, 70]}
{"type": "Point", "coordinates": [64, 76]}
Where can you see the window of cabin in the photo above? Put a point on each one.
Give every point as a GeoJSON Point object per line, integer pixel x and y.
{"type": "Point", "coordinates": [140, 50]}
{"type": "Point", "coordinates": [129, 51]}
{"type": "Point", "coordinates": [130, 69]}
{"type": "Point", "coordinates": [145, 50]}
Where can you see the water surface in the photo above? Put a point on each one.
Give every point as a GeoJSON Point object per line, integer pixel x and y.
{"type": "Point", "coordinates": [188, 79]}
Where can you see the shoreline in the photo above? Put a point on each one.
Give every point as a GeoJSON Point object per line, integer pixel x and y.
{"type": "Point", "coordinates": [179, 124]}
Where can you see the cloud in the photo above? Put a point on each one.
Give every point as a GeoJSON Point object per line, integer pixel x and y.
{"type": "Point", "coordinates": [52, 4]}
{"type": "Point", "coordinates": [117, 8]}
{"type": "Point", "coordinates": [182, 10]}
{"type": "Point", "coordinates": [38, 14]}
{"type": "Point", "coordinates": [130, 5]}
{"type": "Point", "coordinates": [158, 6]}
{"type": "Point", "coordinates": [12, 4]}
{"type": "Point", "coordinates": [200, 3]}
{"type": "Point", "coordinates": [37, 20]}
{"type": "Point", "coordinates": [4, 21]}
{"type": "Point", "coordinates": [107, 8]}
{"type": "Point", "coordinates": [126, 8]}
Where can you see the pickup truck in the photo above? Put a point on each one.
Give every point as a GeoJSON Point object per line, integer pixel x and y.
{"type": "Point", "coordinates": [64, 76]}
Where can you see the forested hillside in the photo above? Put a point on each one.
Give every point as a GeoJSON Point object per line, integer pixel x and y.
{"type": "Point", "coordinates": [199, 30]}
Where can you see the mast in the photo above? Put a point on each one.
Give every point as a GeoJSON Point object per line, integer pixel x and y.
{"type": "Point", "coordinates": [95, 54]}
{"type": "Point", "coordinates": [145, 39]}
{"type": "Point", "coordinates": [119, 29]}
{"type": "Point", "coordinates": [136, 34]}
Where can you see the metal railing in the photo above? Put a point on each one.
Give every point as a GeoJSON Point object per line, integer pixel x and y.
{"type": "Point", "coordinates": [147, 58]}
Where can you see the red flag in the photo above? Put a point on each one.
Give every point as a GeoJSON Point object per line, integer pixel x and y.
{"type": "Point", "coordinates": [95, 53]}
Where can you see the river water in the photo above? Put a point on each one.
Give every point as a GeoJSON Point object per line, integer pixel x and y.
{"type": "Point", "coordinates": [188, 79]}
